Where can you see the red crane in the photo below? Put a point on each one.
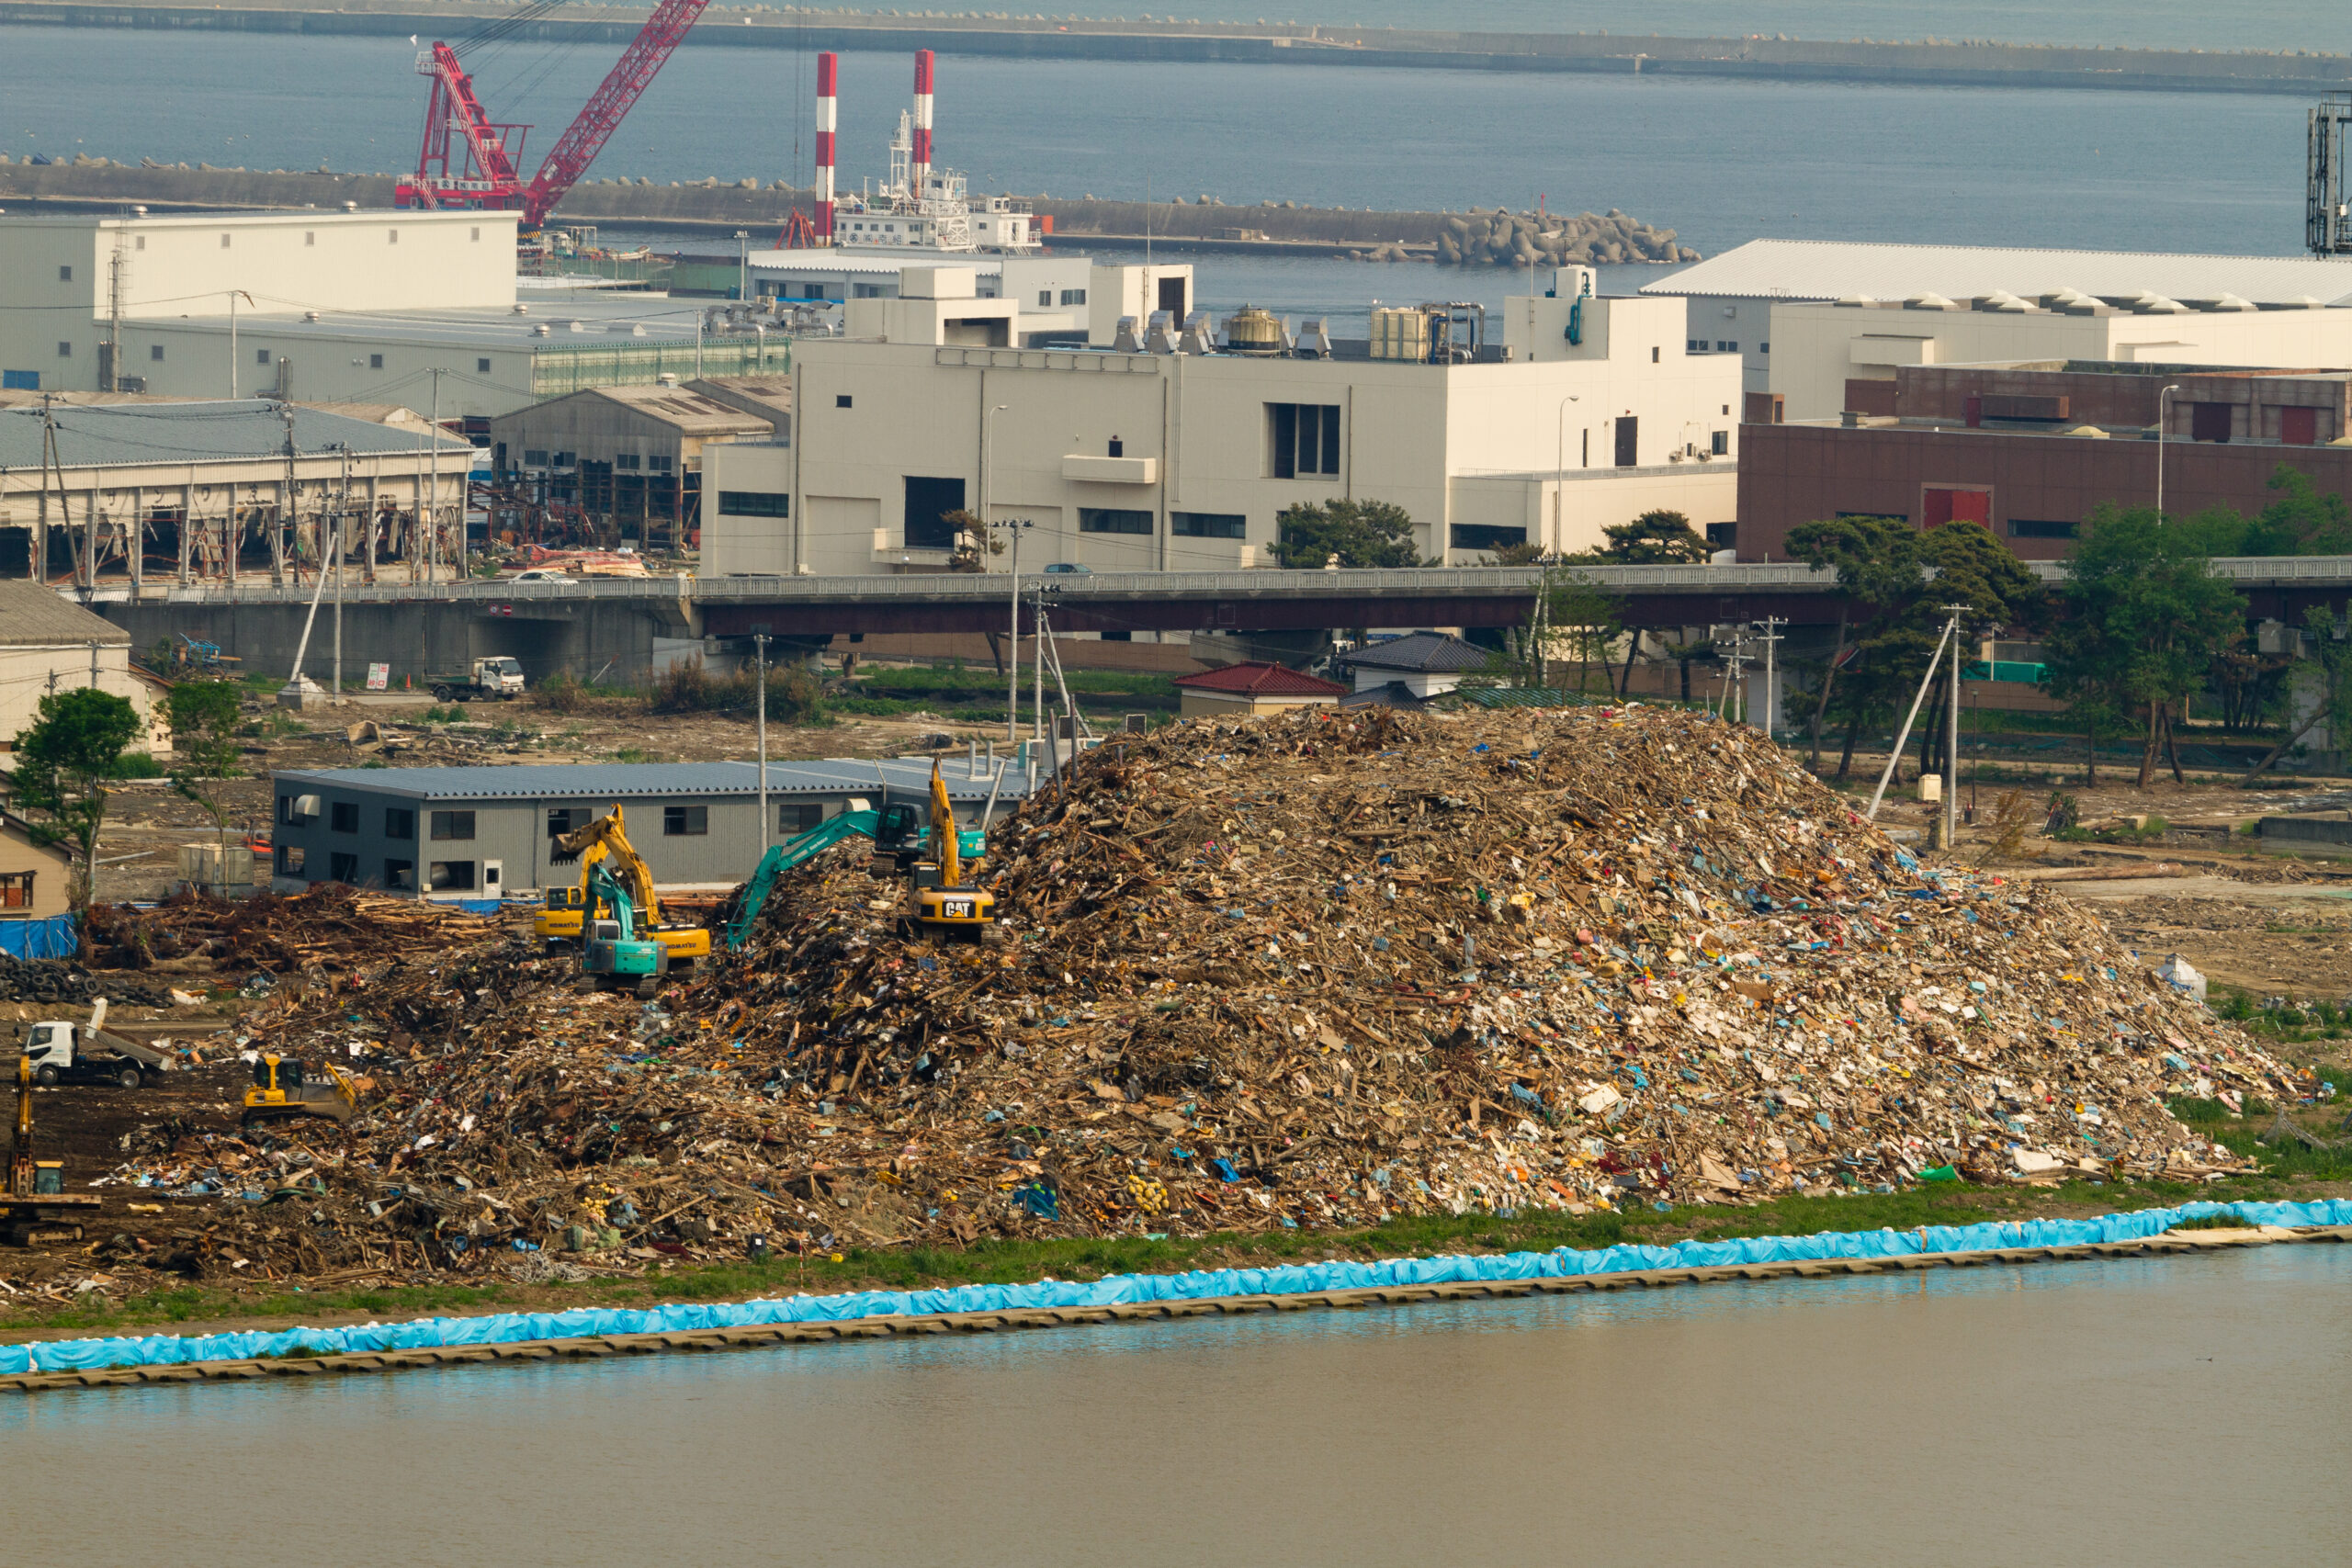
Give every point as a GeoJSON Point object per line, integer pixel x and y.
{"type": "Point", "coordinates": [469, 160]}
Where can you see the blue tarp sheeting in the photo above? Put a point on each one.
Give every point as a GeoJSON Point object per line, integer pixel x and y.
{"type": "Point", "coordinates": [52, 937]}
{"type": "Point", "coordinates": [160, 1351]}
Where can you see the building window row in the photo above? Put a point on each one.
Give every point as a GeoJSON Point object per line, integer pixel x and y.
{"type": "Point", "coordinates": [1112, 520]}
{"type": "Point", "coordinates": [754, 504]}
{"type": "Point", "coordinates": [1301, 439]}
{"type": "Point", "coordinates": [1208, 524]}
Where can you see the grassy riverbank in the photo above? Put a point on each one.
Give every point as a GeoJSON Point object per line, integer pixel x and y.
{"type": "Point", "coordinates": [2303, 1177]}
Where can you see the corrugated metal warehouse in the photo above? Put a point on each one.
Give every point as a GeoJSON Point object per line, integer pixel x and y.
{"type": "Point", "coordinates": [472, 834]}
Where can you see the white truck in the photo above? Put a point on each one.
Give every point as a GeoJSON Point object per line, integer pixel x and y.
{"type": "Point", "coordinates": [61, 1052]}
{"type": "Point", "coordinates": [499, 677]}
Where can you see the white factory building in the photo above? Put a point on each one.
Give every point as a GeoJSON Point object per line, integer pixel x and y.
{"type": "Point", "coordinates": [1155, 444]}
{"type": "Point", "coordinates": [1763, 305]}
{"type": "Point", "coordinates": [409, 307]}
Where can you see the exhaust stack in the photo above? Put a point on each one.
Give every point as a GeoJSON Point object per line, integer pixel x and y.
{"type": "Point", "coordinates": [919, 172]}
{"type": "Point", "coordinates": [828, 121]}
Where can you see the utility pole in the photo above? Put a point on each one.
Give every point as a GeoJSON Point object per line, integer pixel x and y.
{"type": "Point", "coordinates": [760, 645]}
{"type": "Point", "coordinates": [742, 266]}
{"type": "Point", "coordinates": [1772, 624]}
{"type": "Point", "coordinates": [112, 380]}
{"type": "Point", "coordinates": [433, 481]}
{"type": "Point", "coordinates": [341, 511]}
{"type": "Point", "coordinates": [234, 294]}
{"type": "Point", "coordinates": [1038, 658]}
{"type": "Point", "coordinates": [94, 664]}
{"type": "Point", "coordinates": [49, 463]}
{"type": "Point", "coordinates": [285, 514]}
{"type": "Point", "coordinates": [1951, 739]}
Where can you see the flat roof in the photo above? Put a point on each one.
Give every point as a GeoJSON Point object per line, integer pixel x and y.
{"type": "Point", "coordinates": [115, 436]}
{"type": "Point", "coordinates": [1832, 269]}
{"type": "Point", "coordinates": [640, 780]}
{"type": "Point", "coordinates": [499, 326]}
{"type": "Point", "coordinates": [280, 216]}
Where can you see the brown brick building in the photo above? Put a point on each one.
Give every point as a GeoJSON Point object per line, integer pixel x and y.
{"type": "Point", "coordinates": [2030, 449]}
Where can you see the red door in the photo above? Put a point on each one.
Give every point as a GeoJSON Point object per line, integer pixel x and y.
{"type": "Point", "coordinates": [2299, 427]}
{"type": "Point", "coordinates": [1941, 506]}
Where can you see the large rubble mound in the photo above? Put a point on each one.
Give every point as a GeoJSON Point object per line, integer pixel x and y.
{"type": "Point", "coordinates": [1302, 971]}
{"type": "Point", "coordinates": [329, 926]}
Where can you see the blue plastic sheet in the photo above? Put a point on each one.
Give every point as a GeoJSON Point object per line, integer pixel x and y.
{"type": "Point", "coordinates": [52, 937]}
{"type": "Point", "coordinates": [160, 1351]}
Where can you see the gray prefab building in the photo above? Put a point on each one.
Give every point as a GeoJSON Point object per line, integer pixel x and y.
{"type": "Point", "coordinates": [481, 833]}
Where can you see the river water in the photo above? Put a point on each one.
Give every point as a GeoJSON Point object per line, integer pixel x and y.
{"type": "Point", "coordinates": [2173, 1411]}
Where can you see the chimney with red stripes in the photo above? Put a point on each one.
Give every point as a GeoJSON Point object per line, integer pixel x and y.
{"type": "Point", "coordinates": [828, 119]}
{"type": "Point", "coordinates": [919, 175]}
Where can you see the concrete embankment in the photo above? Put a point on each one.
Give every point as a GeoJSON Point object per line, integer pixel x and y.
{"type": "Point", "coordinates": [1856, 60]}
{"type": "Point", "coordinates": [98, 185]}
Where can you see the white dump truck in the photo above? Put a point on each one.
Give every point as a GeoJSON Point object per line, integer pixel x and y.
{"type": "Point", "coordinates": [499, 677]}
{"type": "Point", "coordinates": [62, 1051]}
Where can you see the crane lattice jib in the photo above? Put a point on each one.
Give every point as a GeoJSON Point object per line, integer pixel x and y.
{"type": "Point", "coordinates": [490, 180]}
{"type": "Point", "coordinates": [586, 135]}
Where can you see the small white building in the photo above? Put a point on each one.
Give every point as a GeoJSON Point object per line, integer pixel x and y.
{"type": "Point", "coordinates": [50, 644]}
{"type": "Point", "coordinates": [1174, 448]}
{"type": "Point", "coordinates": [1731, 301]}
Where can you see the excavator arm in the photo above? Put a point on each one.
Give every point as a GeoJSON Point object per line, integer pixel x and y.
{"type": "Point", "coordinates": [608, 836]}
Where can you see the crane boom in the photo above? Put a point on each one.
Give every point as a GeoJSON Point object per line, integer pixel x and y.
{"type": "Point", "coordinates": [487, 176]}
{"type": "Point", "coordinates": [602, 115]}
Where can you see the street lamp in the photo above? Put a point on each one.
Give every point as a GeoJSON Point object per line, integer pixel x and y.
{"type": "Point", "coordinates": [2162, 394]}
{"type": "Point", "coordinates": [1560, 473]}
{"type": "Point", "coordinates": [743, 266]}
{"type": "Point", "coordinates": [234, 294]}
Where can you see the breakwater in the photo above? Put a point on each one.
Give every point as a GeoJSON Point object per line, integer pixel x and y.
{"type": "Point", "coordinates": [1942, 63]}
{"type": "Point", "coordinates": [88, 185]}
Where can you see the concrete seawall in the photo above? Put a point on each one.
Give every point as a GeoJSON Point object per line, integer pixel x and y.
{"type": "Point", "coordinates": [96, 186]}
{"type": "Point", "coordinates": [1944, 64]}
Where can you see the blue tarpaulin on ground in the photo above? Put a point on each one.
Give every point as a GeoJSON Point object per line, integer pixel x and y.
{"type": "Point", "coordinates": [52, 937]}
{"type": "Point", "coordinates": [158, 1350]}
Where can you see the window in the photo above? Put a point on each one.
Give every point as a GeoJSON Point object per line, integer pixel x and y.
{"type": "Point", "coordinates": [1208, 524]}
{"type": "Point", "coordinates": [1653, 356]}
{"type": "Point", "coordinates": [1045, 299]}
{"type": "Point", "coordinates": [1301, 439]}
{"type": "Point", "coordinates": [375, 362]}
{"type": "Point", "coordinates": [309, 236]}
{"type": "Point", "coordinates": [660, 465]}
{"type": "Point", "coordinates": [841, 400]}
{"type": "Point", "coordinates": [1628, 441]}
{"type": "Point", "coordinates": [392, 237]}
{"type": "Point", "coordinates": [1763, 348]}
{"type": "Point", "coordinates": [154, 351]}
{"type": "Point", "coordinates": [298, 809]}
{"type": "Point", "coordinates": [684, 821]}
{"type": "Point", "coordinates": [1720, 444]}
{"type": "Point", "coordinates": [450, 876]}
{"type": "Point", "coordinates": [1484, 537]}
{"type": "Point", "coordinates": [290, 859]}
{"type": "Point", "coordinates": [754, 504]}
{"type": "Point", "coordinates": [224, 241]}
{"type": "Point", "coordinates": [1723, 535]}
{"type": "Point", "coordinates": [2031, 528]}
{"type": "Point", "coordinates": [399, 823]}
{"type": "Point", "coordinates": [625, 460]}
{"type": "Point", "coordinates": [1695, 345]}
{"type": "Point", "coordinates": [400, 874]}
{"type": "Point", "coordinates": [1073, 296]}
{"type": "Point", "coordinates": [343, 868]}
{"type": "Point", "coordinates": [928, 503]}
{"type": "Point", "coordinates": [19, 380]}
{"type": "Point", "coordinates": [535, 459]}
{"type": "Point", "coordinates": [482, 365]}
{"type": "Point", "coordinates": [65, 351]}
{"type": "Point", "coordinates": [261, 356]}
{"type": "Point", "coordinates": [562, 820]}
{"type": "Point", "coordinates": [453, 825]}
{"type": "Point", "coordinates": [795, 817]}
{"type": "Point", "coordinates": [139, 242]}
{"type": "Point", "coordinates": [65, 275]}
{"type": "Point", "coordinates": [475, 235]}
{"type": "Point", "coordinates": [342, 817]}
{"type": "Point", "coordinates": [1111, 520]}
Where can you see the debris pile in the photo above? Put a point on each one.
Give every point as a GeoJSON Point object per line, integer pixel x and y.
{"type": "Point", "coordinates": [1303, 972]}
{"type": "Point", "coordinates": [332, 925]}
{"type": "Point", "coordinates": [61, 980]}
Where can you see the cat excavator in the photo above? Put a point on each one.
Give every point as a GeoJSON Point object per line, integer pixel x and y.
{"type": "Point", "coordinates": [939, 905]}
{"type": "Point", "coordinates": [572, 910]}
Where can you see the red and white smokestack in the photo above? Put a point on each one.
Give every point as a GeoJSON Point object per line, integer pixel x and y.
{"type": "Point", "coordinates": [828, 119]}
{"type": "Point", "coordinates": [919, 173]}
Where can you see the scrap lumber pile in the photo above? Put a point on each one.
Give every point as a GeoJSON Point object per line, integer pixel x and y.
{"type": "Point", "coordinates": [331, 925]}
{"type": "Point", "coordinates": [1302, 971]}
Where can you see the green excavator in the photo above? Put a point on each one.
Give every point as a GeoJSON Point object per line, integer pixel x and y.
{"type": "Point", "coordinates": [612, 956]}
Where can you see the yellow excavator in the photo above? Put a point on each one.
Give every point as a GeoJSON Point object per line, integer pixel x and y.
{"type": "Point", "coordinates": [36, 1208]}
{"type": "Point", "coordinates": [568, 910]}
{"type": "Point", "coordinates": [284, 1091]}
{"type": "Point", "coordinates": [939, 905]}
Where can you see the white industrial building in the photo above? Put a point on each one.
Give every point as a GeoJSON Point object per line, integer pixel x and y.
{"type": "Point", "coordinates": [50, 644]}
{"type": "Point", "coordinates": [416, 308]}
{"type": "Point", "coordinates": [1733, 302]}
{"type": "Point", "coordinates": [1158, 444]}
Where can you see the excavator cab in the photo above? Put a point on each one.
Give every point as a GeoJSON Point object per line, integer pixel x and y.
{"type": "Point", "coordinates": [898, 839]}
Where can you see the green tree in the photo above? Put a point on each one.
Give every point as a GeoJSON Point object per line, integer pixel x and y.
{"type": "Point", "coordinates": [1657, 537]}
{"type": "Point", "coordinates": [2144, 620]}
{"type": "Point", "coordinates": [2301, 522]}
{"type": "Point", "coordinates": [1571, 614]}
{"type": "Point", "coordinates": [63, 762]}
{"type": "Point", "coordinates": [1360, 533]}
{"type": "Point", "coordinates": [205, 715]}
{"type": "Point", "coordinates": [2331, 658]}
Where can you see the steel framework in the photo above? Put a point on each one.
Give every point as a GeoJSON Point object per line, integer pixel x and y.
{"type": "Point", "coordinates": [2327, 231]}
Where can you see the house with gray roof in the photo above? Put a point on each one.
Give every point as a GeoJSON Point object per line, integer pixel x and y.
{"type": "Point", "coordinates": [1413, 668]}
{"type": "Point", "coordinates": [48, 643]}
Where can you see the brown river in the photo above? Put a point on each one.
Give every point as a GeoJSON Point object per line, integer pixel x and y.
{"type": "Point", "coordinates": [2188, 1411]}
